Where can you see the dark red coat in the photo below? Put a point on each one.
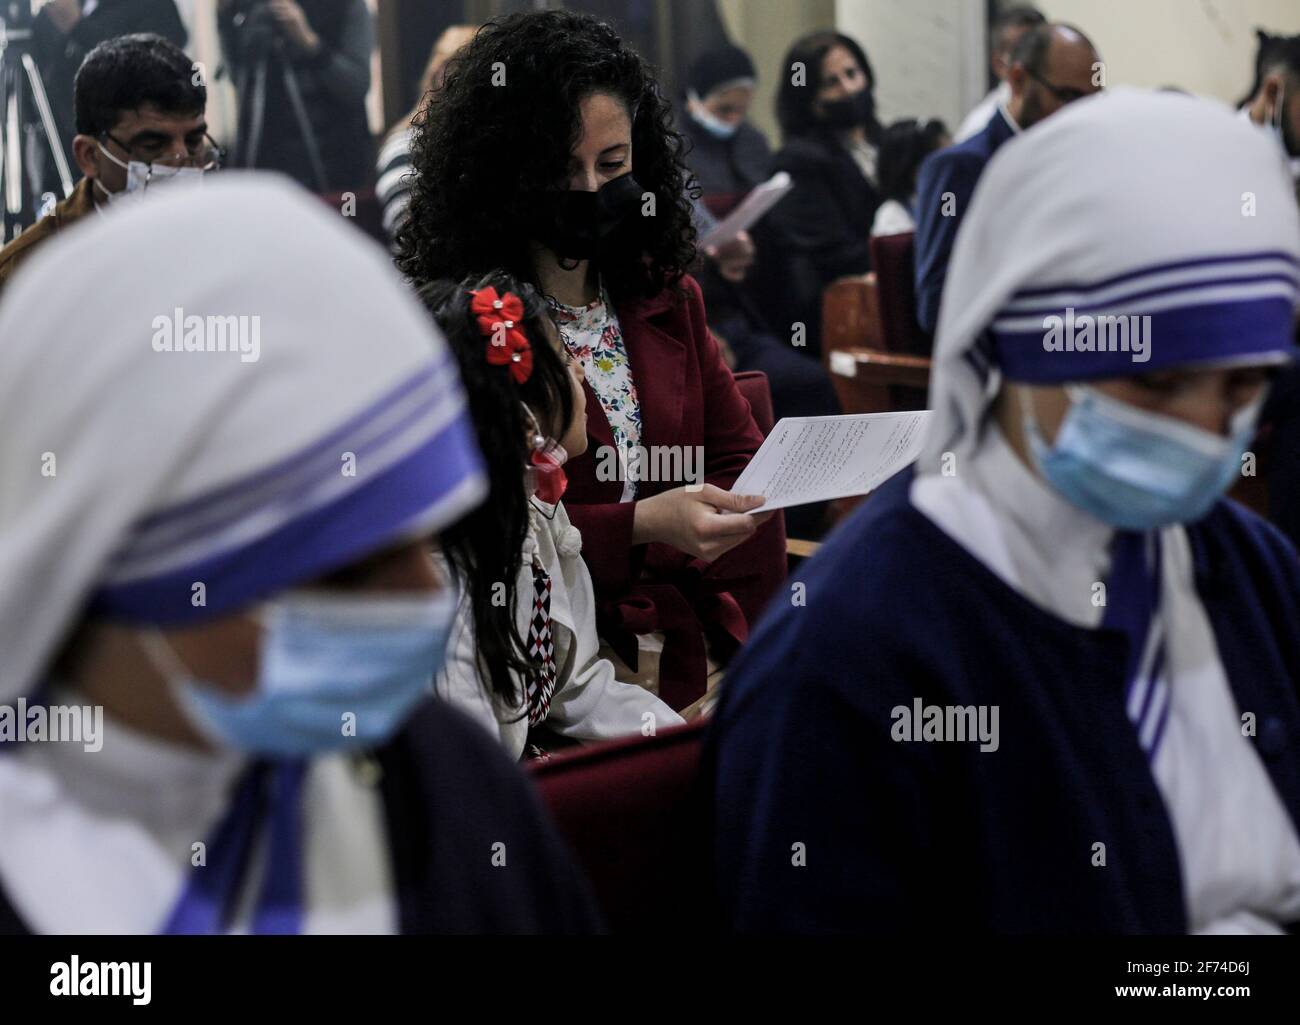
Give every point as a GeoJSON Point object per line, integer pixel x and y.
{"type": "Point", "coordinates": [688, 397]}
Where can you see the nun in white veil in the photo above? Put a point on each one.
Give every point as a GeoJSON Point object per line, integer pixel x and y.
{"type": "Point", "coordinates": [220, 468]}
{"type": "Point", "coordinates": [1046, 680]}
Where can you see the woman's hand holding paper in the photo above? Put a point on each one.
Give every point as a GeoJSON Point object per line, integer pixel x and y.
{"type": "Point", "coordinates": [705, 524]}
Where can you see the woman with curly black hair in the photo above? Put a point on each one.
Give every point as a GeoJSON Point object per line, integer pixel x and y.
{"type": "Point", "coordinates": [819, 232]}
{"type": "Point", "coordinates": [550, 152]}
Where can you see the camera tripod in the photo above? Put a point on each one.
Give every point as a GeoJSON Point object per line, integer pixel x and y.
{"type": "Point", "coordinates": [20, 83]}
{"type": "Point", "coordinates": [262, 47]}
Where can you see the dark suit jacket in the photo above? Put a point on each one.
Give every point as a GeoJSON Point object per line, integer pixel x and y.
{"type": "Point", "coordinates": [688, 397]}
{"type": "Point", "coordinates": [953, 170]}
{"type": "Point", "coordinates": [1282, 414]}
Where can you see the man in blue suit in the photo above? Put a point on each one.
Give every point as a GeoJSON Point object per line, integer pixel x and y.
{"type": "Point", "coordinates": [1051, 66]}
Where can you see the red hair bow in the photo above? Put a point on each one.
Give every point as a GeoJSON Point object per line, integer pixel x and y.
{"type": "Point", "coordinates": [497, 317]}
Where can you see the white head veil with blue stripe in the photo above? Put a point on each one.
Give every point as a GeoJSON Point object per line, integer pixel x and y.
{"type": "Point", "coordinates": [131, 473]}
{"type": "Point", "coordinates": [1128, 203]}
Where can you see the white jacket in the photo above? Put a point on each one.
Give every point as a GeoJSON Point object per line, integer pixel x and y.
{"type": "Point", "coordinates": [588, 703]}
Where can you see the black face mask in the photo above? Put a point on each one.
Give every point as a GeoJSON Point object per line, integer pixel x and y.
{"type": "Point", "coordinates": [582, 225]}
{"type": "Point", "coordinates": [849, 112]}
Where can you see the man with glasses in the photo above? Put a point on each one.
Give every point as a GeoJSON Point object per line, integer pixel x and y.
{"type": "Point", "coordinates": [67, 30]}
{"type": "Point", "coordinates": [140, 126]}
{"type": "Point", "coordinates": [1051, 66]}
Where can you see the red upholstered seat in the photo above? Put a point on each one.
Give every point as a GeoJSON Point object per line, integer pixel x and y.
{"type": "Point", "coordinates": [758, 393]}
{"type": "Point", "coordinates": [892, 258]}
{"type": "Point", "coordinates": [631, 811]}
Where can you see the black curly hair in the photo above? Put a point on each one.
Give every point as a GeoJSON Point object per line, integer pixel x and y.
{"type": "Point", "coordinates": [486, 548]}
{"type": "Point", "coordinates": [485, 152]}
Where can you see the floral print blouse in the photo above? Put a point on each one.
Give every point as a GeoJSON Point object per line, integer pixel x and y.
{"type": "Point", "coordinates": [593, 337]}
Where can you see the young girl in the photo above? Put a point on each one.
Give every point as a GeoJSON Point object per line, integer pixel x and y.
{"type": "Point", "coordinates": [525, 648]}
{"type": "Point", "coordinates": [903, 149]}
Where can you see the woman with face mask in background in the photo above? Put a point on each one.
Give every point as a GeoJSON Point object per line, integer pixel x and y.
{"type": "Point", "coordinates": [213, 533]}
{"type": "Point", "coordinates": [564, 170]}
{"type": "Point", "coordinates": [728, 155]}
{"type": "Point", "coordinates": [1056, 672]}
{"type": "Point", "coordinates": [819, 232]}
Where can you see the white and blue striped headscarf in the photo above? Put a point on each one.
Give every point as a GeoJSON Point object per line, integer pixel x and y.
{"type": "Point", "coordinates": [1127, 203]}
{"type": "Point", "coordinates": [153, 486]}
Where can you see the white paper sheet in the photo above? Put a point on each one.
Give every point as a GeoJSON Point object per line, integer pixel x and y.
{"type": "Point", "coordinates": [760, 200]}
{"type": "Point", "coordinates": [818, 458]}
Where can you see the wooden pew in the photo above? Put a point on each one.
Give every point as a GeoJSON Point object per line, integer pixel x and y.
{"type": "Point", "coordinates": [868, 378]}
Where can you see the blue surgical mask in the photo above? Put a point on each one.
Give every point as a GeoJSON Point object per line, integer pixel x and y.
{"type": "Point", "coordinates": [715, 126]}
{"type": "Point", "coordinates": [335, 672]}
{"type": "Point", "coordinates": [1133, 469]}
